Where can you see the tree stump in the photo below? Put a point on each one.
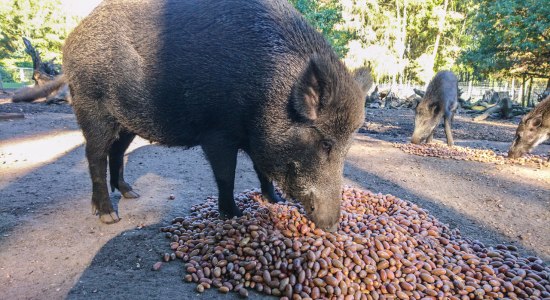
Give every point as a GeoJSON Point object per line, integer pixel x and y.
{"type": "Point", "coordinates": [44, 74]}
{"type": "Point", "coordinates": [43, 71]}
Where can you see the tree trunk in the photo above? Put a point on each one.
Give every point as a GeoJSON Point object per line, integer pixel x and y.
{"type": "Point", "coordinates": [529, 101]}
{"type": "Point", "coordinates": [470, 89]}
{"type": "Point", "coordinates": [440, 25]}
{"type": "Point", "coordinates": [523, 91]}
{"type": "Point", "coordinates": [513, 88]}
{"type": "Point", "coordinates": [402, 39]}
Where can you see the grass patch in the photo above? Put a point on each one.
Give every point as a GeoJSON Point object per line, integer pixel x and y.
{"type": "Point", "coordinates": [14, 85]}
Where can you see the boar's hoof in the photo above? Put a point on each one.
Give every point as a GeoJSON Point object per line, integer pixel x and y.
{"type": "Point", "coordinates": [274, 198]}
{"type": "Point", "coordinates": [125, 189]}
{"type": "Point", "coordinates": [130, 194]}
{"type": "Point", "coordinates": [228, 215]}
{"type": "Point", "coordinates": [109, 218]}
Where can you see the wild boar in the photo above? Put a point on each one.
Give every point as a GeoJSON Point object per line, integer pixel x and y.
{"type": "Point", "coordinates": [533, 129]}
{"type": "Point", "coordinates": [440, 101]}
{"type": "Point", "coordinates": [223, 75]}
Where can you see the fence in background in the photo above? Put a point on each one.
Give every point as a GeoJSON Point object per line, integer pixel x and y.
{"type": "Point", "coordinates": [24, 74]}
{"type": "Point", "coordinates": [473, 91]}
{"type": "Point", "coordinates": [15, 75]}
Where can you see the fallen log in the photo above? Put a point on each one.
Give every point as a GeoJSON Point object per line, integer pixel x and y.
{"type": "Point", "coordinates": [11, 116]}
{"type": "Point", "coordinates": [419, 92]}
{"type": "Point", "coordinates": [62, 95]}
{"type": "Point", "coordinates": [503, 106]}
{"type": "Point", "coordinates": [49, 89]}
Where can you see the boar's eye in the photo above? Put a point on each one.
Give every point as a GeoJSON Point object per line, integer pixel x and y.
{"type": "Point", "coordinates": [326, 146]}
{"type": "Point", "coordinates": [536, 122]}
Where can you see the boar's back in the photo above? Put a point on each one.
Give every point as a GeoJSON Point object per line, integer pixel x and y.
{"type": "Point", "coordinates": [173, 71]}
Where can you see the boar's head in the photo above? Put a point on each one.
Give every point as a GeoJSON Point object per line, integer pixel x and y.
{"type": "Point", "coordinates": [531, 132]}
{"type": "Point", "coordinates": [533, 129]}
{"type": "Point", "coordinates": [303, 149]}
{"type": "Point", "coordinates": [428, 114]}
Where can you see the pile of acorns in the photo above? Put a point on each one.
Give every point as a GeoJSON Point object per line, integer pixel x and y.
{"type": "Point", "coordinates": [385, 248]}
{"type": "Point", "coordinates": [467, 153]}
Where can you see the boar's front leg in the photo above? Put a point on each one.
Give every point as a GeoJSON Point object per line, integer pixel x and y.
{"type": "Point", "coordinates": [430, 137]}
{"type": "Point", "coordinates": [222, 155]}
{"type": "Point", "coordinates": [268, 190]}
{"type": "Point", "coordinates": [448, 120]}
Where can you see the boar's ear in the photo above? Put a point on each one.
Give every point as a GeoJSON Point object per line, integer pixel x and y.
{"type": "Point", "coordinates": [309, 89]}
{"type": "Point", "coordinates": [363, 77]}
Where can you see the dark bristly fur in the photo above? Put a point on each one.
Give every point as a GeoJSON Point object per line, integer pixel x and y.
{"type": "Point", "coordinates": [533, 129]}
{"type": "Point", "coordinates": [225, 75]}
{"type": "Point", "coordinates": [440, 101]}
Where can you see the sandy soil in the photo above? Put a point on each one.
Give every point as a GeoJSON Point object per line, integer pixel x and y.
{"type": "Point", "coordinates": [51, 246]}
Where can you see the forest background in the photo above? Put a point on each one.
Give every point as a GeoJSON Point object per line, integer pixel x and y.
{"type": "Point", "coordinates": [402, 41]}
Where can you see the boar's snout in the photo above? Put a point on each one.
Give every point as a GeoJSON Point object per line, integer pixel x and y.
{"type": "Point", "coordinates": [513, 154]}
{"type": "Point", "coordinates": [514, 151]}
{"type": "Point", "coordinates": [418, 137]}
{"type": "Point", "coordinates": [324, 210]}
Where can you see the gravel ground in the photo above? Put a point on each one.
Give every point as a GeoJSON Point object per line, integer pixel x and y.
{"type": "Point", "coordinates": [400, 124]}
{"type": "Point", "coordinates": [51, 247]}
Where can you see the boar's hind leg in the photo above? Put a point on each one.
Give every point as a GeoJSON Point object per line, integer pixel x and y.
{"type": "Point", "coordinates": [222, 156]}
{"type": "Point", "coordinates": [268, 190]}
{"type": "Point", "coordinates": [99, 134]}
{"type": "Point", "coordinates": [116, 164]}
{"type": "Point", "coordinates": [448, 133]}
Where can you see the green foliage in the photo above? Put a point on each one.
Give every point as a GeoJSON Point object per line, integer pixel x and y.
{"type": "Point", "coordinates": [5, 75]}
{"type": "Point", "coordinates": [43, 22]}
{"type": "Point", "coordinates": [324, 15]}
{"type": "Point", "coordinates": [510, 37]}
{"type": "Point", "coordinates": [395, 38]}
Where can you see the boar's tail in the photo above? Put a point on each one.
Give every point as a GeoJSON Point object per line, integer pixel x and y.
{"type": "Point", "coordinates": [29, 94]}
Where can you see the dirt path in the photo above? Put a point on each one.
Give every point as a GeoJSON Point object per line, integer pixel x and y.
{"type": "Point", "coordinates": [51, 246]}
